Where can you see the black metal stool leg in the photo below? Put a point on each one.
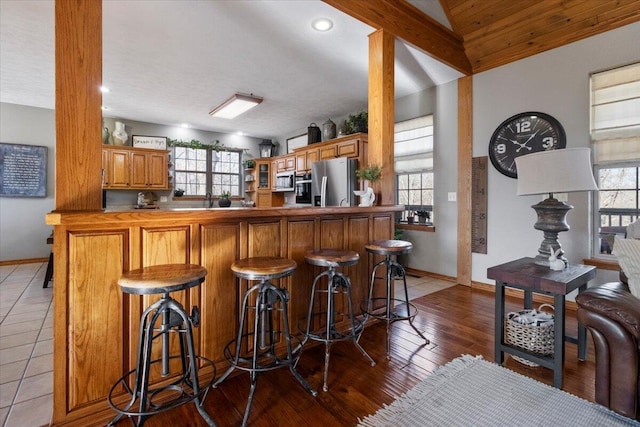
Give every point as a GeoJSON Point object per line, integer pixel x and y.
{"type": "Point", "coordinates": [347, 284]}
{"type": "Point", "coordinates": [406, 298]}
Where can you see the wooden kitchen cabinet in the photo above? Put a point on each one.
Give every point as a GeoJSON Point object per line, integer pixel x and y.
{"type": "Point", "coordinates": [286, 163]}
{"type": "Point", "coordinates": [116, 165]}
{"type": "Point", "coordinates": [264, 195]}
{"type": "Point", "coordinates": [305, 159]}
{"type": "Point", "coordinates": [351, 146]}
{"type": "Point", "coordinates": [135, 169]}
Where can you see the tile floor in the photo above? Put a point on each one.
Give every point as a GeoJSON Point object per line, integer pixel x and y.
{"type": "Point", "coordinates": [26, 350]}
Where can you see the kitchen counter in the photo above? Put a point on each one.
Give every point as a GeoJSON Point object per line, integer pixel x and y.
{"type": "Point", "coordinates": [96, 325]}
{"type": "Point", "coordinates": [119, 215]}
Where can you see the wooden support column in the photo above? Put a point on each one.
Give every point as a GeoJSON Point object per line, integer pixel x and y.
{"type": "Point", "coordinates": [382, 110]}
{"type": "Point", "coordinates": [465, 154]}
{"type": "Point", "coordinates": [78, 58]}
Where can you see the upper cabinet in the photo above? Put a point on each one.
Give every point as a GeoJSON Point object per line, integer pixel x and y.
{"type": "Point", "coordinates": [285, 163]}
{"type": "Point", "coordinates": [352, 146]}
{"type": "Point", "coordinates": [128, 168]}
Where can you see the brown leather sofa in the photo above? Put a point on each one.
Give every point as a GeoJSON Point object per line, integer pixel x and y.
{"type": "Point", "coordinates": [612, 315]}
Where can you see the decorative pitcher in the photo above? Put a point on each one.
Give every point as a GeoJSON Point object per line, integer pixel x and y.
{"type": "Point", "coordinates": [119, 134]}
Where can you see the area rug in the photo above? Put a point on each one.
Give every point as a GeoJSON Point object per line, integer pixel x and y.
{"type": "Point", "coordinates": [469, 391]}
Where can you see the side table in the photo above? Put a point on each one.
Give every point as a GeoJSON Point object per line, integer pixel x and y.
{"type": "Point", "coordinates": [526, 275]}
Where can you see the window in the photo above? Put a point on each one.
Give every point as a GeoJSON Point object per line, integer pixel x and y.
{"type": "Point", "coordinates": [199, 171]}
{"type": "Point", "coordinates": [413, 153]}
{"type": "Point", "coordinates": [615, 135]}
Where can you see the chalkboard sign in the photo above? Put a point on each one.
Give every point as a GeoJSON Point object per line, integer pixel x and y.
{"type": "Point", "coordinates": [23, 170]}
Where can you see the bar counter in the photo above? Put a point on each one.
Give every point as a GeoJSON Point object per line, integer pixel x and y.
{"type": "Point", "coordinates": [96, 325]}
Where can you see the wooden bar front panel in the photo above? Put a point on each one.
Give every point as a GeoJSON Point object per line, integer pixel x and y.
{"type": "Point", "coordinates": [97, 326]}
{"type": "Point", "coordinates": [96, 315]}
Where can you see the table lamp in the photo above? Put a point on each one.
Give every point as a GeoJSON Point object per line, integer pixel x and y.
{"type": "Point", "coordinates": [554, 171]}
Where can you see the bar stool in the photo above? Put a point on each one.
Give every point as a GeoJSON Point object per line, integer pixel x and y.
{"type": "Point", "coordinates": [162, 279]}
{"type": "Point", "coordinates": [402, 309]}
{"type": "Point", "coordinates": [261, 354]}
{"type": "Point", "coordinates": [337, 283]}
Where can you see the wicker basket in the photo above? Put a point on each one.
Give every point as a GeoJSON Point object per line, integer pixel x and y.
{"type": "Point", "coordinates": [535, 336]}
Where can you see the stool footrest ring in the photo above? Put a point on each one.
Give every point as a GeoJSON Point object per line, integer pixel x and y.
{"type": "Point", "coordinates": [164, 403]}
{"type": "Point", "coordinates": [403, 311]}
{"type": "Point", "coordinates": [267, 360]}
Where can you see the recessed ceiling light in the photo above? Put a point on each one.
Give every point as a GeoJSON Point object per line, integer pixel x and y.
{"type": "Point", "coordinates": [104, 89]}
{"type": "Point", "coordinates": [240, 133]}
{"type": "Point", "coordinates": [322, 24]}
{"type": "Point", "coordinates": [185, 125]}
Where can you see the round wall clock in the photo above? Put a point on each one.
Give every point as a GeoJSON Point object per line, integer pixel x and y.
{"type": "Point", "coordinates": [524, 133]}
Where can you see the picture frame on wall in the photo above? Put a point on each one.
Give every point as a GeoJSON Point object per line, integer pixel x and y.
{"type": "Point", "coordinates": [296, 142]}
{"type": "Point", "coordinates": [150, 142]}
{"type": "Point", "coordinates": [23, 170]}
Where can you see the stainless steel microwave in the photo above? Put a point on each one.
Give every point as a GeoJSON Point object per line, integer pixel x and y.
{"type": "Point", "coordinates": [285, 181]}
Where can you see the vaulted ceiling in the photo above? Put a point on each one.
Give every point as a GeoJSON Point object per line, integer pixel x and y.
{"type": "Point", "coordinates": [483, 34]}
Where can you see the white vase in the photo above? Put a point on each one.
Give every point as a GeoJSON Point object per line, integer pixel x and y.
{"type": "Point", "coordinates": [119, 134]}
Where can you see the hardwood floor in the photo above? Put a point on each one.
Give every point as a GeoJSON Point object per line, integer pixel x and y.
{"type": "Point", "coordinates": [457, 320]}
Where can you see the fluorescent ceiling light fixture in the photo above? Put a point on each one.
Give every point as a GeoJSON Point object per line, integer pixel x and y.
{"type": "Point", "coordinates": [104, 89]}
{"type": "Point", "coordinates": [234, 106]}
{"type": "Point", "coordinates": [322, 24]}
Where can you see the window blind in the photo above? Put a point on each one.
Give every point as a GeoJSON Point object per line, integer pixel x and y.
{"type": "Point", "coordinates": [413, 145]}
{"type": "Point", "coordinates": [615, 114]}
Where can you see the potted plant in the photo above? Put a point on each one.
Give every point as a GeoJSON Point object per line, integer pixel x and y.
{"type": "Point", "coordinates": [249, 164]}
{"type": "Point", "coordinates": [357, 123]}
{"type": "Point", "coordinates": [423, 216]}
{"type": "Point", "coordinates": [224, 201]}
{"type": "Point", "coordinates": [411, 216]}
{"type": "Point", "coordinates": [371, 173]}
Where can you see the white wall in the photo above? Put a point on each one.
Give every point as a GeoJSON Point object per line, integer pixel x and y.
{"type": "Point", "coordinates": [436, 252]}
{"type": "Point", "coordinates": [23, 232]}
{"type": "Point", "coordinates": [554, 82]}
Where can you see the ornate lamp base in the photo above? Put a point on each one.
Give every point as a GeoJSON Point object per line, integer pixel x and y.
{"type": "Point", "coordinates": [551, 220]}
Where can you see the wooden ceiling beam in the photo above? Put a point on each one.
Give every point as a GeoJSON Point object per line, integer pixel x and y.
{"type": "Point", "coordinates": [411, 25]}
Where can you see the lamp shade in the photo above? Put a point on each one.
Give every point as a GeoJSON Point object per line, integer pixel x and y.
{"type": "Point", "coordinates": [555, 171]}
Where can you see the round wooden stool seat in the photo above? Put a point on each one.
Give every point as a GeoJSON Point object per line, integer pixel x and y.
{"type": "Point", "coordinates": [162, 279]}
{"type": "Point", "coordinates": [389, 247]}
{"type": "Point", "coordinates": [263, 268]}
{"type": "Point", "coordinates": [331, 257]}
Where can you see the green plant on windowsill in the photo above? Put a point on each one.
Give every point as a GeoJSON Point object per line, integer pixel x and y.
{"type": "Point", "coordinates": [423, 216]}
{"type": "Point", "coordinates": [225, 199]}
{"type": "Point", "coordinates": [371, 173]}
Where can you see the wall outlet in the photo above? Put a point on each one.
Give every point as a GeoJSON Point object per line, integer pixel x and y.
{"type": "Point", "coordinates": [163, 199]}
{"type": "Point", "coordinates": [451, 196]}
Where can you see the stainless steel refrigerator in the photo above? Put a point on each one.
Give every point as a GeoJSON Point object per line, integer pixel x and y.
{"type": "Point", "coordinates": [333, 182]}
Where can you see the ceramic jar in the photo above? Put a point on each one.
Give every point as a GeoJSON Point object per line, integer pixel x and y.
{"type": "Point", "coordinates": [328, 130]}
{"type": "Point", "coordinates": [119, 134]}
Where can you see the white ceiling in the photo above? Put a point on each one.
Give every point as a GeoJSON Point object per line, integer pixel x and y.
{"type": "Point", "coordinates": [171, 62]}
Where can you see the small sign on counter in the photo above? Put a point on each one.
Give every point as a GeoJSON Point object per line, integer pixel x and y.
{"type": "Point", "coordinates": [23, 170]}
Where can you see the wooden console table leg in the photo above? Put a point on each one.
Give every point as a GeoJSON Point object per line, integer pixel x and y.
{"type": "Point", "coordinates": [558, 344]}
{"type": "Point", "coordinates": [499, 323]}
{"type": "Point", "coordinates": [582, 334]}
